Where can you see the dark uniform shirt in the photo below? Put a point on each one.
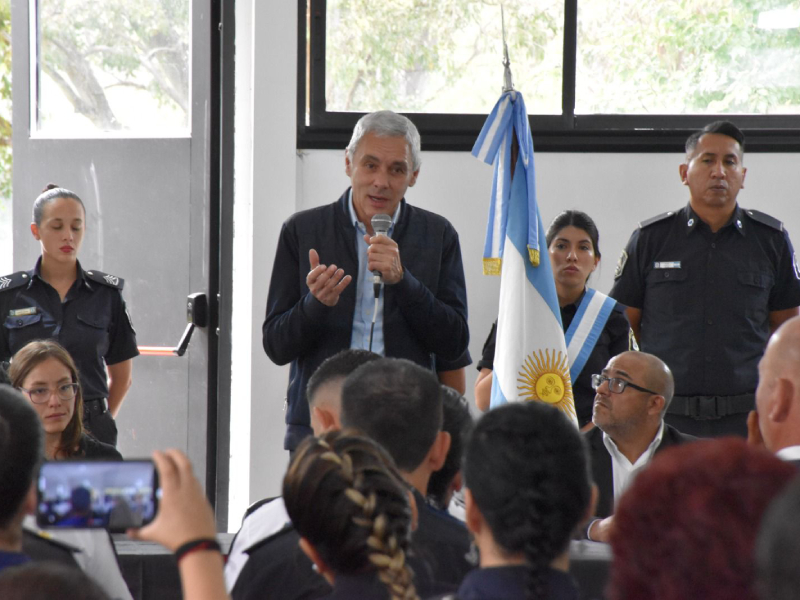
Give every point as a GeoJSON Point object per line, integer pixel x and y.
{"type": "Point", "coordinates": [92, 322]}
{"type": "Point", "coordinates": [509, 583]}
{"type": "Point", "coordinates": [706, 297]}
{"type": "Point", "coordinates": [614, 339]}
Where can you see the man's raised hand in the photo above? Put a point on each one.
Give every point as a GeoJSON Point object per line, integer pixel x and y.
{"type": "Point", "coordinates": [326, 283]}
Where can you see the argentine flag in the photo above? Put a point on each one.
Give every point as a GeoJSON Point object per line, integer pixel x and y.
{"type": "Point", "coordinates": [531, 360]}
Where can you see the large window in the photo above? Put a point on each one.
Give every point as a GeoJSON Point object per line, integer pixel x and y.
{"type": "Point", "coordinates": [118, 67]}
{"type": "Point", "coordinates": [596, 75]}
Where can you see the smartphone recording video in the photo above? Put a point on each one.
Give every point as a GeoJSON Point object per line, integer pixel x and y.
{"type": "Point", "coordinates": [97, 494]}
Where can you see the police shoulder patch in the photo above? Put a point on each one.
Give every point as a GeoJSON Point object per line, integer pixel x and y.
{"type": "Point", "coordinates": [15, 280]}
{"type": "Point", "coordinates": [106, 279]}
{"type": "Point", "coordinates": [764, 218]}
{"type": "Point", "coordinates": [623, 258]}
{"type": "Point", "coordinates": [656, 219]}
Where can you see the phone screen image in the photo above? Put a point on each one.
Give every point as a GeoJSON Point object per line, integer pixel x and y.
{"type": "Point", "coordinates": [97, 494]}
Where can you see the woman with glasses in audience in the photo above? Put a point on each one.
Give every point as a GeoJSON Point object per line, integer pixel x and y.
{"type": "Point", "coordinates": [528, 490]}
{"type": "Point", "coordinates": [349, 505]}
{"type": "Point", "coordinates": [45, 373]}
{"type": "Point", "coordinates": [573, 244]}
{"type": "Point", "coordinates": [83, 310]}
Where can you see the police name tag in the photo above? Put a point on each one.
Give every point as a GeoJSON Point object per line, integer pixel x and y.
{"type": "Point", "coordinates": [23, 312]}
{"type": "Point", "coordinates": [671, 264]}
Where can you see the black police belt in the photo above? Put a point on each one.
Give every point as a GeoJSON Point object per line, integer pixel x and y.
{"type": "Point", "coordinates": [95, 406]}
{"type": "Point", "coordinates": [705, 408]}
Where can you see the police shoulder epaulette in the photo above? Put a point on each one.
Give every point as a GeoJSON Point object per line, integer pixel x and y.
{"type": "Point", "coordinates": [105, 278]}
{"type": "Point", "coordinates": [656, 219]}
{"type": "Point", "coordinates": [15, 280]}
{"type": "Point", "coordinates": [764, 218]}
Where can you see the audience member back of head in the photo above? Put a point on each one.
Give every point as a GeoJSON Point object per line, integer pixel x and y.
{"type": "Point", "coordinates": [687, 526]}
{"type": "Point", "coordinates": [46, 581]}
{"type": "Point", "coordinates": [527, 492]}
{"type": "Point", "coordinates": [351, 508]}
{"type": "Point", "coordinates": [399, 405]}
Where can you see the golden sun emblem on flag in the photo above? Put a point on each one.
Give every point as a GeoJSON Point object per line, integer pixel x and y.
{"type": "Point", "coordinates": [546, 379]}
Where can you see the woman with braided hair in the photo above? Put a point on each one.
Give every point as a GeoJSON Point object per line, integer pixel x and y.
{"type": "Point", "coordinates": [528, 490]}
{"type": "Point", "coordinates": [351, 509]}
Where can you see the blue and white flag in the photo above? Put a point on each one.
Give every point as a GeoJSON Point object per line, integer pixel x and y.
{"type": "Point", "coordinates": [531, 360]}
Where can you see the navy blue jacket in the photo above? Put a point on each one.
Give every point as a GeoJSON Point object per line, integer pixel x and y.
{"type": "Point", "coordinates": [425, 314]}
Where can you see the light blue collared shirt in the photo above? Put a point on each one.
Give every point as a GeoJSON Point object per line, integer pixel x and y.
{"type": "Point", "coordinates": [365, 294]}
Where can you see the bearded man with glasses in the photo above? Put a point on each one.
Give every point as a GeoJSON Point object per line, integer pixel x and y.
{"type": "Point", "coordinates": [633, 393]}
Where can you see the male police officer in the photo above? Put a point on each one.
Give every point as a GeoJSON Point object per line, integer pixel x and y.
{"type": "Point", "coordinates": [706, 284]}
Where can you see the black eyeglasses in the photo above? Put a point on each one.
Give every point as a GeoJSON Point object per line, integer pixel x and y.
{"type": "Point", "coordinates": [65, 391]}
{"type": "Point", "coordinates": [617, 385]}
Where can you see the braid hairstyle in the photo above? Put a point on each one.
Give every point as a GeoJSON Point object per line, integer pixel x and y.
{"type": "Point", "coordinates": [345, 496]}
{"type": "Point", "coordinates": [527, 469]}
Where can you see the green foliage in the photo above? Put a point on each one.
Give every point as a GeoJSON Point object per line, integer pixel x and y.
{"type": "Point", "coordinates": [91, 46]}
{"type": "Point", "coordinates": [428, 55]}
{"type": "Point", "coordinates": [5, 105]}
{"type": "Point", "coordinates": [660, 57]}
{"type": "Point", "coordinates": [686, 56]}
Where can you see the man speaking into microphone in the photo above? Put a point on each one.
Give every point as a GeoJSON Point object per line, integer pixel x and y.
{"type": "Point", "coordinates": [334, 277]}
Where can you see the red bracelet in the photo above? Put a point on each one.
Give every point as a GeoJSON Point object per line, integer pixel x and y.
{"type": "Point", "coordinates": [196, 546]}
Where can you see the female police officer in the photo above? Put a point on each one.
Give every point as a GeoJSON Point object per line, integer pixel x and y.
{"type": "Point", "coordinates": [82, 310]}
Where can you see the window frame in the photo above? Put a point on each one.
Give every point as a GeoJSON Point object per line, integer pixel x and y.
{"type": "Point", "coordinates": [567, 132]}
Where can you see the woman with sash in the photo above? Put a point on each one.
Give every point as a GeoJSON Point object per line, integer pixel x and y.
{"type": "Point", "coordinates": [595, 325]}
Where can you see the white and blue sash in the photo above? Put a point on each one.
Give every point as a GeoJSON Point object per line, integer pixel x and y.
{"type": "Point", "coordinates": [584, 331]}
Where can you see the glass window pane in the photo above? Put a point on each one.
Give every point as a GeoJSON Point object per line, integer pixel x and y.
{"type": "Point", "coordinates": [111, 66]}
{"type": "Point", "coordinates": [688, 57]}
{"type": "Point", "coordinates": [443, 56]}
{"type": "Point", "coordinates": [6, 248]}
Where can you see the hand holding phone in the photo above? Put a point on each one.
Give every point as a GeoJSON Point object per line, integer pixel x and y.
{"type": "Point", "coordinates": [184, 513]}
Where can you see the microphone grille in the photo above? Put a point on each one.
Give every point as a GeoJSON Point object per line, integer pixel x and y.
{"type": "Point", "coordinates": [381, 223]}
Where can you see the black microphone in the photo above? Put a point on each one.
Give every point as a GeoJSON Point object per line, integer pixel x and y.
{"type": "Point", "coordinates": [381, 224]}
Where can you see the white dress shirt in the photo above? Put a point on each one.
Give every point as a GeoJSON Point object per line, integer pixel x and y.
{"type": "Point", "coordinates": [624, 471]}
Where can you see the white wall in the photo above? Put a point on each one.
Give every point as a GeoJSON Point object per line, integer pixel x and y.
{"type": "Point", "coordinates": [617, 190]}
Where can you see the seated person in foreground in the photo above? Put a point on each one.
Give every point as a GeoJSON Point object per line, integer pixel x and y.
{"type": "Point", "coordinates": [265, 560]}
{"type": "Point", "coordinates": [633, 393]}
{"type": "Point", "coordinates": [21, 452]}
{"type": "Point", "coordinates": [46, 374]}
{"type": "Point", "coordinates": [687, 527]}
{"type": "Point", "coordinates": [776, 425]}
{"type": "Point", "coordinates": [778, 546]}
{"type": "Point", "coordinates": [351, 508]}
{"type": "Point", "coordinates": [527, 493]}
{"type": "Point", "coordinates": [448, 480]}
{"type": "Point", "coordinates": [48, 580]}
{"type": "Point", "coordinates": [399, 405]}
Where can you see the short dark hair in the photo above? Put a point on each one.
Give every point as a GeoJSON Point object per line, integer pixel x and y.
{"type": "Point", "coordinates": [721, 127]}
{"type": "Point", "coordinates": [340, 365]}
{"type": "Point", "coordinates": [21, 451]}
{"type": "Point", "coordinates": [574, 218]}
{"type": "Point", "coordinates": [50, 193]}
{"type": "Point", "coordinates": [45, 580]}
{"type": "Point", "coordinates": [778, 545]}
{"type": "Point", "coordinates": [527, 469]}
{"type": "Point", "coordinates": [398, 404]}
{"type": "Point", "coordinates": [459, 424]}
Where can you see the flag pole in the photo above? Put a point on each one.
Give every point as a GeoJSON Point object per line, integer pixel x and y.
{"type": "Point", "coordinates": [508, 82]}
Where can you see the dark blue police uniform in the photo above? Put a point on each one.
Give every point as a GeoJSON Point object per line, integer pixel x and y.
{"type": "Point", "coordinates": [705, 299]}
{"type": "Point", "coordinates": [91, 323]}
{"type": "Point", "coordinates": [509, 583]}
